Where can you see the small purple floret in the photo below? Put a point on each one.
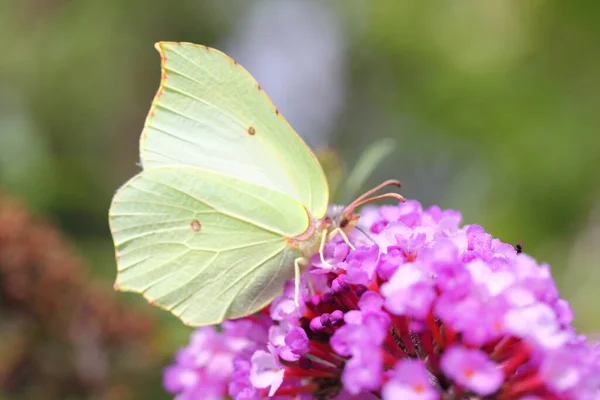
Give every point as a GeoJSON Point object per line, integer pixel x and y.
{"type": "Point", "coordinates": [421, 309]}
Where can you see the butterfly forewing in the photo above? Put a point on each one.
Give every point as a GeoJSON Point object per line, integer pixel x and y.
{"type": "Point", "coordinates": [209, 112]}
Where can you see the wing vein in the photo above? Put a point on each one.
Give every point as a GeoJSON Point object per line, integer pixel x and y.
{"type": "Point", "coordinates": [221, 211]}
{"type": "Point", "coordinates": [198, 99]}
{"type": "Point", "coordinates": [226, 309]}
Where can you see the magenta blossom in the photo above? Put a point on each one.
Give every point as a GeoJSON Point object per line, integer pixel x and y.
{"type": "Point", "coordinates": [421, 309]}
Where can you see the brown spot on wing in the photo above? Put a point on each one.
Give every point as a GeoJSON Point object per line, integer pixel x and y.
{"type": "Point", "coordinates": [251, 131]}
{"type": "Point", "coordinates": [195, 225]}
{"type": "Point", "coordinates": [276, 112]}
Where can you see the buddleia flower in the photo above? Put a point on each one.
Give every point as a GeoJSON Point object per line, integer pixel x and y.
{"type": "Point", "coordinates": [422, 308]}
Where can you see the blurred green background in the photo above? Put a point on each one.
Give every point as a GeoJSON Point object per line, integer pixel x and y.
{"type": "Point", "coordinates": [493, 106]}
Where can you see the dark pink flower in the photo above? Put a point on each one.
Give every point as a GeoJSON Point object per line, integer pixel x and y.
{"type": "Point", "coordinates": [422, 310]}
{"type": "Point", "coordinates": [472, 370]}
{"type": "Point", "coordinates": [409, 380]}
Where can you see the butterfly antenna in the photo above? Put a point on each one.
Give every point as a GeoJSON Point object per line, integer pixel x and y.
{"type": "Point", "coordinates": [355, 204]}
{"type": "Point", "coordinates": [389, 182]}
{"type": "Point", "coordinates": [364, 198]}
{"type": "Point", "coordinates": [348, 213]}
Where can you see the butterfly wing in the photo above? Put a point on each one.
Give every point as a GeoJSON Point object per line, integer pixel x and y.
{"type": "Point", "coordinates": [209, 112]}
{"type": "Point", "coordinates": [204, 245]}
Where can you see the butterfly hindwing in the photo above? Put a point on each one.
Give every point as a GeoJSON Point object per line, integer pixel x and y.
{"type": "Point", "coordinates": [203, 245]}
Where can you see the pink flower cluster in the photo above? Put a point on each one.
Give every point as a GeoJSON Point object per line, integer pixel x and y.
{"type": "Point", "coordinates": [422, 309]}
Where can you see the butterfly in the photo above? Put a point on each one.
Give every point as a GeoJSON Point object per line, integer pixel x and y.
{"type": "Point", "coordinates": [230, 203]}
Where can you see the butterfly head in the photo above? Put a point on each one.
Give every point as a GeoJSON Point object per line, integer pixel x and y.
{"type": "Point", "coordinates": [337, 217]}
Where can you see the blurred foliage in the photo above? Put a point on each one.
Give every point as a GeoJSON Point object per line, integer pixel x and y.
{"type": "Point", "coordinates": [63, 337]}
{"type": "Point", "coordinates": [492, 106]}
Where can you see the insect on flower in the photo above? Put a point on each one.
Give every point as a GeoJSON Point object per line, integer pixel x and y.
{"type": "Point", "coordinates": [519, 246]}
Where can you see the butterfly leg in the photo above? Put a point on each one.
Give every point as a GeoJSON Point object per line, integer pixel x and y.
{"type": "Point", "coordinates": [321, 249]}
{"type": "Point", "coordinates": [334, 232]}
{"type": "Point", "coordinates": [309, 283]}
{"type": "Point", "coordinates": [297, 270]}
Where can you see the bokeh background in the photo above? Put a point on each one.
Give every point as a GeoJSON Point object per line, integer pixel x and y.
{"type": "Point", "coordinates": [493, 107]}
